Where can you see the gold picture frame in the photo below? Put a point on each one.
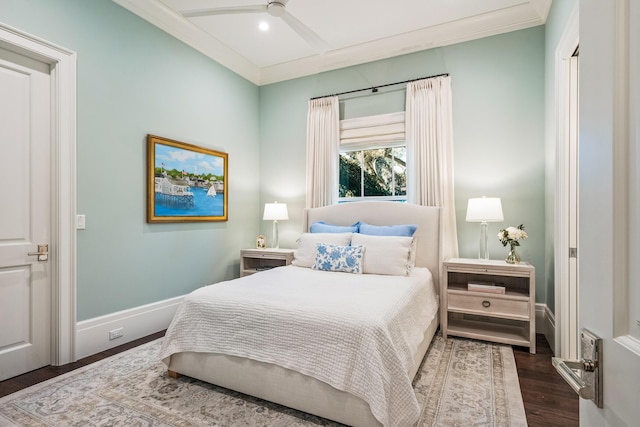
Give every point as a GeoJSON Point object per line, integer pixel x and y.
{"type": "Point", "coordinates": [185, 182]}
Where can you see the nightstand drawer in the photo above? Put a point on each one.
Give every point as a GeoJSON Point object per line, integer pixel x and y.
{"type": "Point", "coordinates": [263, 255]}
{"type": "Point", "coordinates": [467, 302]}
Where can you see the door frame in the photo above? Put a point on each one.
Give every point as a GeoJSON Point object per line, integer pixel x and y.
{"type": "Point", "coordinates": [62, 64]}
{"type": "Point", "coordinates": [566, 307]}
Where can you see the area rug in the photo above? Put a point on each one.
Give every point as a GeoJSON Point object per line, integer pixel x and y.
{"type": "Point", "coordinates": [460, 383]}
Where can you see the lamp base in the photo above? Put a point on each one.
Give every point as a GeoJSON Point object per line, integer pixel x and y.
{"type": "Point", "coordinates": [275, 244]}
{"type": "Point", "coordinates": [483, 249]}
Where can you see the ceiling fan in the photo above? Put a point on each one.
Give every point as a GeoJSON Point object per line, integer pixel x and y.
{"type": "Point", "coordinates": [273, 8]}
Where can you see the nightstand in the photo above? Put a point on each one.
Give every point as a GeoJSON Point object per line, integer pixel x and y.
{"type": "Point", "coordinates": [254, 260]}
{"type": "Point", "coordinates": [507, 318]}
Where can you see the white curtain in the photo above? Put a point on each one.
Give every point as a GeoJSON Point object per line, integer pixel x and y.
{"type": "Point", "coordinates": [323, 139]}
{"type": "Point", "coordinates": [429, 138]}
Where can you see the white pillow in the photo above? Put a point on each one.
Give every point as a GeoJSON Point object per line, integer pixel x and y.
{"type": "Point", "coordinates": [389, 255]}
{"type": "Point", "coordinates": [305, 254]}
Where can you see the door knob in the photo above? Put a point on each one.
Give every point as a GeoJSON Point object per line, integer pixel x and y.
{"type": "Point", "coordinates": [43, 253]}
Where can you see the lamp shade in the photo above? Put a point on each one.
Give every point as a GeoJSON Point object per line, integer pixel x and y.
{"type": "Point", "coordinates": [275, 211]}
{"type": "Point", "coordinates": [484, 209]}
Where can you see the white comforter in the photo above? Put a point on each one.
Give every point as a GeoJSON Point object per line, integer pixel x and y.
{"type": "Point", "coordinates": [356, 332]}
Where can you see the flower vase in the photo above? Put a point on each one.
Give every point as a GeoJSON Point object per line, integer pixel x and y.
{"type": "Point", "coordinates": [513, 257]}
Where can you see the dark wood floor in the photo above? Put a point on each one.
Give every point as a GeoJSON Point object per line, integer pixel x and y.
{"type": "Point", "coordinates": [548, 400]}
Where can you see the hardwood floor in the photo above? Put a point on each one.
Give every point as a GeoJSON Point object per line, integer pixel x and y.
{"type": "Point", "coordinates": [548, 400]}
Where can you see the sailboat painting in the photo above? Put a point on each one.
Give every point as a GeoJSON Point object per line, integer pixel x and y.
{"type": "Point", "coordinates": [185, 182]}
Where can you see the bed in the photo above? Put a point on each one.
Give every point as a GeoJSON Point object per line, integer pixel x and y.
{"type": "Point", "coordinates": [371, 387]}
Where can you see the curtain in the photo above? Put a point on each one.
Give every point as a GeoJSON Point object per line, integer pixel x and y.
{"type": "Point", "coordinates": [323, 139]}
{"type": "Point", "coordinates": [429, 137]}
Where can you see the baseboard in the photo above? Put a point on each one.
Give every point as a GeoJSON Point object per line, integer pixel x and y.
{"type": "Point", "coordinates": [93, 335]}
{"type": "Point", "coordinates": [546, 324]}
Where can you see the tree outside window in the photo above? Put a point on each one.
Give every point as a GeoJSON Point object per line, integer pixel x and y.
{"type": "Point", "coordinates": [379, 173]}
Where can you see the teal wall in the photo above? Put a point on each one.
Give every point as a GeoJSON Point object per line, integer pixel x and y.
{"type": "Point", "coordinates": [556, 24]}
{"type": "Point", "coordinates": [134, 79]}
{"type": "Point", "coordinates": [498, 119]}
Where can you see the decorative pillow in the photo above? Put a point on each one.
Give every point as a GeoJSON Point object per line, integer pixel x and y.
{"type": "Point", "coordinates": [389, 255]}
{"type": "Point", "coordinates": [339, 258]}
{"type": "Point", "coordinates": [305, 254]}
{"type": "Point", "coordinates": [406, 230]}
{"type": "Point", "coordinates": [323, 227]}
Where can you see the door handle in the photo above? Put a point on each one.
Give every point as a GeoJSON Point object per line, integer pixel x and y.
{"type": "Point", "coordinates": [43, 253]}
{"type": "Point", "coordinates": [585, 375]}
{"type": "Point", "coordinates": [567, 370]}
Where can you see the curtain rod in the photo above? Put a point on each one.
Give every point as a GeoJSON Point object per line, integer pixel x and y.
{"type": "Point", "coordinates": [374, 89]}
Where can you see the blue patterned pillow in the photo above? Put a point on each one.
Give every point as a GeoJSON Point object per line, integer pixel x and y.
{"type": "Point", "coordinates": [339, 258]}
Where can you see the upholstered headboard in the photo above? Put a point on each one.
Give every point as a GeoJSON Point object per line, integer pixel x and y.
{"type": "Point", "coordinates": [390, 213]}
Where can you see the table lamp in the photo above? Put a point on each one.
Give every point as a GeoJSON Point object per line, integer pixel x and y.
{"type": "Point", "coordinates": [484, 210]}
{"type": "Point", "coordinates": [275, 212]}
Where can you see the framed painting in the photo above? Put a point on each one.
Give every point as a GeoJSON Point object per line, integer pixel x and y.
{"type": "Point", "coordinates": [185, 183]}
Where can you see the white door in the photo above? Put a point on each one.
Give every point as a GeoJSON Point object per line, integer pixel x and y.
{"type": "Point", "coordinates": [609, 192]}
{"type": "Point", "coordinates": [572, 282]}
{"type": "Point", "coordinates": [565, 341]}
{"type": "Point", "coordinates": [24, 214]}
{"type": "Point", "coordinates": [572, 315]}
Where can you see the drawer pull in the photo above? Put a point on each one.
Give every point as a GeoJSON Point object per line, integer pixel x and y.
{"type": "Point", "coordinates": [486, 304]}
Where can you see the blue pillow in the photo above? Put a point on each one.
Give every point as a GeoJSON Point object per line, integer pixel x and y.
{"type": "Point", "coordinates": [323, 227]}
{"type": "Point", "coordinates": [405, 230]}
{"type": "Point", "coordinates": [331, 257]}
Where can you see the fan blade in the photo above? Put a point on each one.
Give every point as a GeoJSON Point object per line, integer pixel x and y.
{"type": "Point", "coordinates": [319, 45]}
{"type": "Point", "coordinates": [223, 11]}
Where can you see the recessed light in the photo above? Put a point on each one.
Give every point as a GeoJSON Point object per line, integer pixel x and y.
{"type": "Point", "coordinates": [264, 26]}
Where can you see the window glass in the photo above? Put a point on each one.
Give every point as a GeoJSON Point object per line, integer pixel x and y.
{"type": "Point", "coordinates": [373, 173]}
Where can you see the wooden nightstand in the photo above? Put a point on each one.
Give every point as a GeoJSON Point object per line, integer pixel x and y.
{"type": "Point", "coordinates": [507, 318]}
{"type": "Point", "coordinates": [253, 260]}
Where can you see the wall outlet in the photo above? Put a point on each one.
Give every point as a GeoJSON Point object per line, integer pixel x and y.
{"type": "Point", "coordinates": [116, 333]}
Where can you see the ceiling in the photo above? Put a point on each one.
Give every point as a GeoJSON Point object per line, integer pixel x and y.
{"type": "Point", "coordinates": [349, 32]}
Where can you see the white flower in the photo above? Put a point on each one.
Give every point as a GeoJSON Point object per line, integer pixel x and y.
{"type": "Point", "coordinates": [511, 235]}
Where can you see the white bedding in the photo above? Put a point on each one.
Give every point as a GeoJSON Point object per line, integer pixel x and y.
{"type": "Point", "coordinates": [356, 332]}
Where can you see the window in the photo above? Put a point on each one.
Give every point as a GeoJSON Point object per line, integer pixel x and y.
{"type": "Point", "coordinates": [379, 173]}
{"type": "Point", "coordinates": [373, 158]}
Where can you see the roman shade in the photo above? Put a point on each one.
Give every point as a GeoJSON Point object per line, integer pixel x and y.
{"type": "Point", "coordinates": [370, 132]}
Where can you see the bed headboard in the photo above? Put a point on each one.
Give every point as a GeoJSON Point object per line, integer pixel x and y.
{"type": "Point", "coordinates": [427, 218]}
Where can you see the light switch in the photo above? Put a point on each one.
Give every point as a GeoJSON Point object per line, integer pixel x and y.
{"type": "Point", "coordinates": [81, 222]}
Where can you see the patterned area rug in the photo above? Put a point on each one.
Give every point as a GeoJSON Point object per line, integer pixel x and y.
{"type": "Point", "coordinates": [461, 383]}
